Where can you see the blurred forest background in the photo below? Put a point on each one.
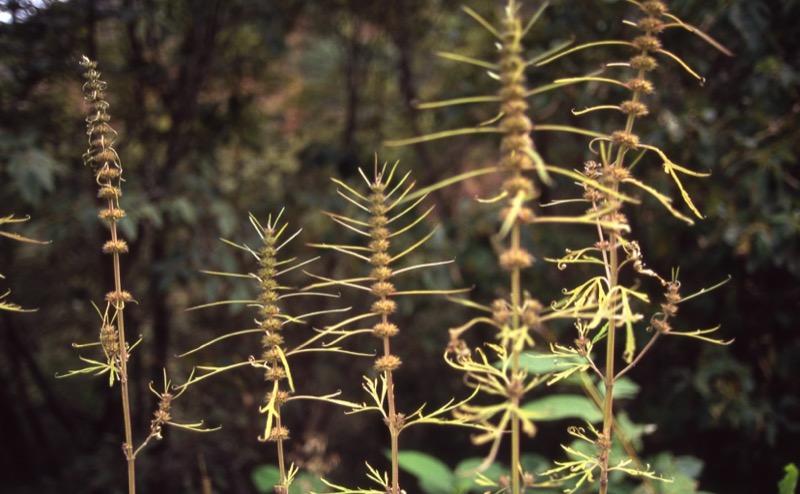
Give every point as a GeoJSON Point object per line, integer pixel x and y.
{"type": "Point", "coordinates": [225, 107]}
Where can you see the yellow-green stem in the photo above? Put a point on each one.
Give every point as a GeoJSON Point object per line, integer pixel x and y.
{"type": "Point", "coordinates": [515, 351]}
{"type": "Point", "coordinates": [281, 461]}
{"type": "Point", "coordinates": [608, 402]}
{"type": "Point", "coordinates": [394, 431]}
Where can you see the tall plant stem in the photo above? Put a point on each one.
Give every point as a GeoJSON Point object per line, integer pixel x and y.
{"type": "Point", "coordinates": [281, 460]}
{"type": "Point", "coordinates": [124, 390]}
{"type": "Point", "coordinates": [515, 354]}
{"type": "Point", "coordinates": [394, 427]}
{"type": "Point", "coordinates": [608, 402]}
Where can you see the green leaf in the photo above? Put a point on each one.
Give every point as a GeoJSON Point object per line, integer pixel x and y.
{"type": "Point", "coordinates": [788, 483]}
{"type": "Point", "coordinates": [562, 407]}
{"type": "Point", "coordinates": [265, 478]}
{"type": "Point", "coordinates": [434, 476]}
{"type": "Point", "coordinates": [34, 172]}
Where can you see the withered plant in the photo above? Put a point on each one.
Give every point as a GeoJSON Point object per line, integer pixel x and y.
{"type": "Point", "coordinates": [387, 217]}
{"type": "Point", "coordinates": [599, 307]}
{"type": "Point", "coordinates": [115, 346]}
{"type": "Point", "coordinates": [275, 351]}
{"type": "Point", "coordinates": [618, 296]}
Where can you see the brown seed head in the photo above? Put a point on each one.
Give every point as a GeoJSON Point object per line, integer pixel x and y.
{"type": "Point", "coordinates": [380, 259]}
{"type": "Point", "coordinates": [385, 330]}
{"type": "Point", "coordinates": [278, 434]}
{"type": "Point", "coordinates": [275, 373]}
{"type": "Point", "coordinates": [381, 273]}
{"type": "Point", "coordinates": [500, 311]}
{"type": "Point", "coordinates": [640, 85]}
{"type": "Point", "coordinates": [280, 398]}
{"type": "Point", "coordinates": [635, 108]}
{"type": "Point", "coordinates": [387, 363]}
{"type": "Point", "coordinates": [109, 192]}
{"type": "Point", "coordinates": [271, 339]}
{"type": "Point", "coordinates": [644, 62]}
{"type": "Point", "coordinates": [382, 289]}
{"type": "Point", "coordinates": [622, 138]}
{"type": "Point", "coordinates": [654, 8]}
{"type": "Point", "coordinates": [384, 306]}
{"type": "Point", "coordinates": [516, 259]}
{"type": "Point", "coordinates": [646, 43]}
{"type": "Point", "coordinates": [651, 25]}
{"type": "Point", "coordinates": [111, 215]}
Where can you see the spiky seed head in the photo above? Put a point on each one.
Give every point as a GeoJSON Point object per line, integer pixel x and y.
{"type": "Point", "coordinates": [646, 43]}
{"type": "Point", "coordinates": [275, 373]}
{"type": "Point", "coordinates": [267, 273]}
{"type": "Point", "coordinates": [387, 363]}
{"type": "Point", "coordinates": [635, 108]}
{"type": "Point", "coordinates": [269, 310]}
{"type": "Point", "coordinates": [516, 124]}
{"type": "Point", "coordinates": [104, 155]}
{"type": "Point", "coordinates": [119, 298]}
{"type": "Point", "coordinates": [654, 8]}
{"type": "Point", "coordinates": [268, 297]}
{"type": "Point", "coordinates": [379, 209]}
{"type": "Point", "coordinates": [381, 273]}
{"type": "Point", "coordinates": [379, 245]}
{"type": "Point", "coordinates": [278, 434]}
{"type": "Point", "coordinates": [270, 339]}
{"type": "Point", "coordinates": [383, 289]}
{"type": "Point", "coordinates": [531, 313]}
{"type": "Point", "coordinates": [500, 311]}
{"type": "Point", "coordinates": [109, 339]}
{"type": "Point", "coordinates": [645, 63]}
{"type": "Point", "coordinates": [514, 107]}
{"type": "Point", "coordinates": [622, 138]}
{"type": "Point", "coordinates": [379, 233]}
{"type": "Point", "coordinates": [384, 307]}
{"type": "Point", "coordinates": [268, 284]}
{"type": "Point", "coordinates": [651, 25]}
{"type": "Point", "coordinates": [460, 348]}
{"type": "Point", "coordinates": [112, 214]}
{"type": "Point", "coordinates": [378, 221]}
{"type": "Point", "coordinates": [109, 192]}
{"type": "Point", "coordinates": [281, 397]}
{"type": "Point", "coordinates": [385, 330]}
{"type": "Point", "coordinates": [616, 173]}
{"type": "Point", "coordinates": [108, 173]}
{"type": "Point", "coordinates": [640, 85]}
{"type": "Point", "coordinates": [272, 355]}
{"type": "Point", "coordinates": [515, 258]}
{"type": "Point", "coordinates": [115, 247]}
{"type": "Point", "coordinates": [380, 259]}
{"type": "Point", "coordinates": [660, 325]}
{"type": "Point", "coordinates": [272, 325]}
